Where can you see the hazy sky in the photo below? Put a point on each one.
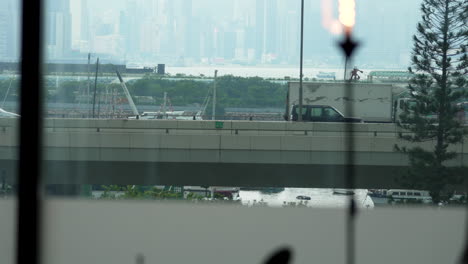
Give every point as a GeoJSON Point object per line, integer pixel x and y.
{"type": "Point", "coordinates": [392, 10]}
{"type": "Point", "coordinates": [381, 25]}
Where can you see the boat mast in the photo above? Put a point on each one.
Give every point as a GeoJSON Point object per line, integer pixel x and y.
{"type": "Point", "coordinates": [95, 86]}
{"type": "Point", "coordinates": [164, 105]}
{"type": "Point", "coordinates": [213, 112]}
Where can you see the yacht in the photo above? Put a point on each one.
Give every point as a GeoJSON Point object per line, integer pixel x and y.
{"type": "Point", "coordinates": [343, 191]}
{"type": "Point", "coordinates": [6, 114]}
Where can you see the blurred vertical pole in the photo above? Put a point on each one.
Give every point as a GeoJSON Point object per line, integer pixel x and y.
{"type": "Point", "coordinates": [87, 93]}
{"type": "Point", "coordinates": [95, 87]}
{"type": "Point", "coordinates": [30, 136]}
{"type": "Point", "coordinates": [213, 112]}
{"type": "Point", "coordinates": [464, 256]}
{"type": "Point", "coordinates": [348, 46]}
{"type": "Point", "coordinates": [299, 118]}
{"type": "Point", "coordinates": [98, 92]}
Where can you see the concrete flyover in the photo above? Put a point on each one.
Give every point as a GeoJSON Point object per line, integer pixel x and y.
{"type": "Point", "coordinates": [230, 153]}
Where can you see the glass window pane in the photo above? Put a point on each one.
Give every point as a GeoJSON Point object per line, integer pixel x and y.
{"type": "Point", "coordinates": [10, 78]}
{"type": "Point", "coordinates": [183, 102]}
{"type": "Point", "coordinates": [316, 111]}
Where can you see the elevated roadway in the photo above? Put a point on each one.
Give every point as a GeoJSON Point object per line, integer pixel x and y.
{"type": "Point", "coordinates": [230, 153]}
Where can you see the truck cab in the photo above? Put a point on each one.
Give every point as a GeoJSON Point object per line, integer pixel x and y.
{"type": "Point", "coordinates": [320, 113]}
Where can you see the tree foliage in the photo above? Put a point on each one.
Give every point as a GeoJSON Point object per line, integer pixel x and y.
{"type": "Point", "coordinates": [440, 61]}
{"type": "Point", "coordinates": [231, 91]}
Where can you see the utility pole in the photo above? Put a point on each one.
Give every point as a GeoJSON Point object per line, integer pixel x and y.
{"type": "Point", "coordinates": [299, 116]}
{"type": "Point", "coordinates": [164, 105]}
{"type": "Point", "coordinates": [87, 93]}
{"type": "Point", "coordinates": [95, 86]}
{"type": "Point", "coordinates": [213, 113]}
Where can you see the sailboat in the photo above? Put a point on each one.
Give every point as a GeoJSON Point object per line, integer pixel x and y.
{"type": "Point", "coordinates": [6, 114]}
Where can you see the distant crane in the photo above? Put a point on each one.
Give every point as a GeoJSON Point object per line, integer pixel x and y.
{"type": "Point", "coordinates": [6, 94]}
{"type": "Point", "coordinates": [127, 94]}
{"type": "Point", "coordinates": [205, 104]}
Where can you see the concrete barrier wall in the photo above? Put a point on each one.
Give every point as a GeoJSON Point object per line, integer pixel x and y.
{"type": "Point", "coordinates": [211, 125]}
{"type": "Point", "coordinates": [195, 153]}
{"type": "Point", "coordinates": [200, 135]}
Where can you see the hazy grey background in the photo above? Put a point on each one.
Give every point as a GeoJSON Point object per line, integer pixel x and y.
{"type": "Point", "coordinates": [212, 32]}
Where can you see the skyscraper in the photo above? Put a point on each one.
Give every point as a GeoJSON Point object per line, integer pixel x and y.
{"type": "Point", "coordinates": [259, 28]}
{"type": "Point", "coordinates": [266, 26]}
{"type": "Point", "coordinates": [84, 26]}
{"type": "Point", "coordinates": [9, 30]}
{"type": "Point", "coordinates": [58, 28]}
{"type": "Point", "coordinates": [131, 20]}
{"type": "Point", "coordinates": [182, 16]}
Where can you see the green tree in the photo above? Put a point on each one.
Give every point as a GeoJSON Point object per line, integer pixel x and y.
{"type": "Point", "coordinates": [231, 91]}
{"type": "Point", "coordinates": [219, 111]}
{"type": "Point", "coordinates": [440, 61]}
{"type": "Point", "coordinates": [67, 91]}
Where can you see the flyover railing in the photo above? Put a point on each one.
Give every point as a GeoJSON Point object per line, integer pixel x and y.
{"type": "Point", "coordinates": [213, 127]}
{"type": "Point", "coordinates": [221, 127]}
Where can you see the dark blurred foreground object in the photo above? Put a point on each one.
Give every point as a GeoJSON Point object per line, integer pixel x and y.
{"type": "Point", "coordinates": [281, 256]}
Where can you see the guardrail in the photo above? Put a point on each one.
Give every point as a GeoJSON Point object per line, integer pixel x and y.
{"type": "Point", "coordinates": [213, 127]}
{"type": "Point", "coordinates": [126, 115]}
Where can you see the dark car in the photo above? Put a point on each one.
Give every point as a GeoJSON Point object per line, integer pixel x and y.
{"type": "Point", "coordinates": [303, 197]}
{"type": "Point", "coordinates": [321, 113]}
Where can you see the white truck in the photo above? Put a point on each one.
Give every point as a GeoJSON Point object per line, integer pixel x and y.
{"type": "Point", "coordinates": [373, 103]}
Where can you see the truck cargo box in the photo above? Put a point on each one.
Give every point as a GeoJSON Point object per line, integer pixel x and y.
{"type": "Point", "coordinates": [371, 102]}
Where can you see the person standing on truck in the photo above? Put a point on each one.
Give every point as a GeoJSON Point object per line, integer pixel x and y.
{"type": "Point", "coordinates": [354, 74]}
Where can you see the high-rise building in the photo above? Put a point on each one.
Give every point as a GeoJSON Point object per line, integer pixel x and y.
{"type": "Point", "coordinates": [386, 41]}
{"type": "Point", "coordinates": [266, 43]}
{"type": "Point", "coordinates": [207, 38]}
{"type": "Point", "coordinates": [9, 30]}
{"type": "Point", "coordinates": [194, 39]}
{"type": "Point", "coordinates": [58, 28]}
{"type": "Point", "coordinates": [182, 17]}
{"type": "Point", "coordinates": [131, 21]}
{"type": "Point", "coordinates": [84, 21]}
{"type": "Point", "coordinates": [289, 36]}
{"type": "Point", "coordinates": [271, 33]}
{"type": "Point", "coordinates": [259, 28]}
{"type": "Point", "coordinates": [229, 45]}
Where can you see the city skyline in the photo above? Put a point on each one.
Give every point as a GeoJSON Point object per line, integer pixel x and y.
{"type": "Point", "coordinates": [194, 32]}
